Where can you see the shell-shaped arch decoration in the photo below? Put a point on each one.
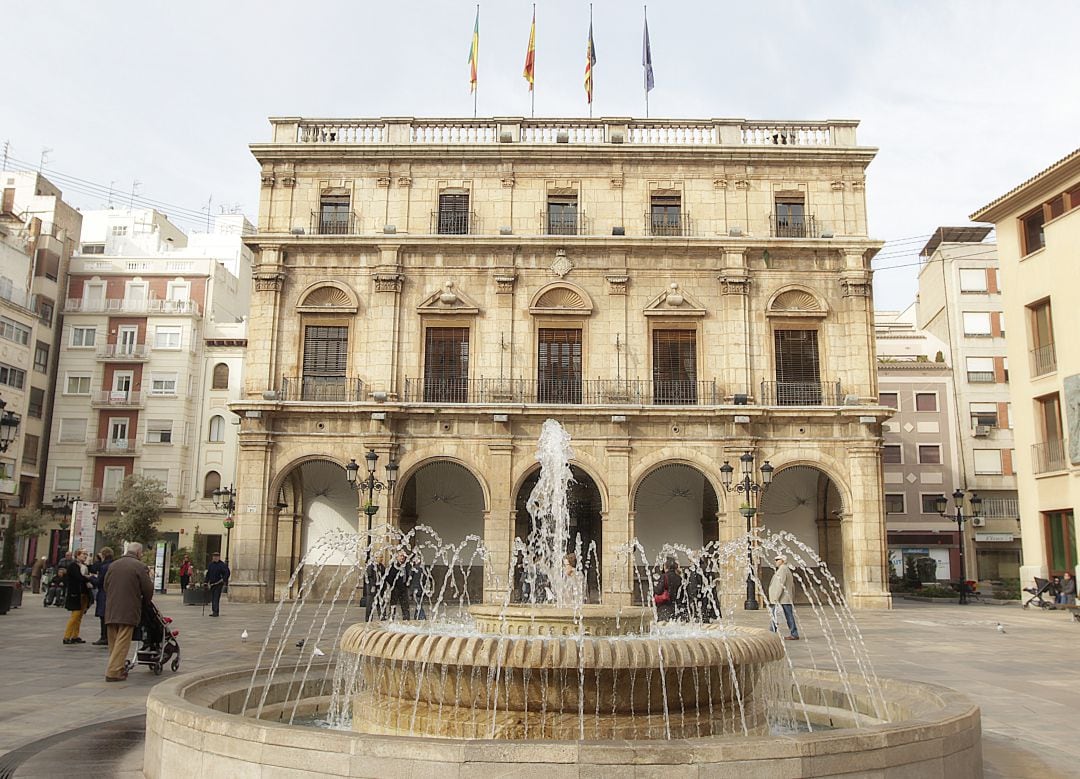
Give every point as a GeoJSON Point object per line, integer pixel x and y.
{"type": "Point", "coordinates": [796, 302]}
{"type": "Point", "coordinates": [328, 297]}
{"type": "Point", "coordinates": [561, 298]}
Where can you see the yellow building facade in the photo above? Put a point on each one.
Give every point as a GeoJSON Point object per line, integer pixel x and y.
{"type": "Point", "coordinates": [676, 293]}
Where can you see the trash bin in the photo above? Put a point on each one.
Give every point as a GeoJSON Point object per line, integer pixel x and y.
{"type": "Point", "coordinates": [197, 595]}
{"type": "Point", "coordinates": [16, 592]}
{"type": "Point", "coordinates": [6, 593]}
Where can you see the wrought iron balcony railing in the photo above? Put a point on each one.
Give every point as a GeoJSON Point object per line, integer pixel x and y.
{"type": "Point", "coordinates": [563, 224]}
{"type": "Point", "coordinates": [1043, 360]}
{"type": "Point", "coordinates": [116, 398]}
{"type": "Point", "coordinates": [113, 446]}
{"type": "Point", "coordinates": [124, 352]}
{"type": "Point", "coordinates": [322, 389]}
{"type": "Point", "coordinates": [453, 223]}
{"type": "Point", "coordinates": [667, 224]}
{"type": "Point", "coordinates": [800, 393]}
{"type": "Point", "coordinates": [1048, 456]}
{"type": "Point", "coordinates": [334, 223]}
{"type": "Point", "coordinates": [624, 392]}
{"type": "Point", "coordinates": [793, 226]}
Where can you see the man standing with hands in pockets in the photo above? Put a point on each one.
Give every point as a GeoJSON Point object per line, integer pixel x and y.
{"type": "Point", "coordinates": [217, 577]}
{"type": "Point", "coordinates": [781, 589]}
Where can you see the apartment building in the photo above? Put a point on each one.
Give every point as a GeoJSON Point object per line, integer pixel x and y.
{"type": "Point", "coordinates": [151, 358]}
{"type": "Point", "coordinates": [676, 293]}
{"type": "Point", "coordinates": [1038, 232]}
{"type": "Point", "coordinates": [960, 301]}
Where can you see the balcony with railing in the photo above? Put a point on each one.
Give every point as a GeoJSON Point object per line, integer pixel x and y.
{"type": "Point", "coordinates": [321, 389]}
{"type": "Point", "coordinates": [116, 399]}
{"type": "Point", "coordinates": [124, 353]}
{"type": "Point", "coordinates": [454, 223]}
{"type": "Point", "coordinates": [617, 392]}
{"type": "Point", "coordinates": [1001, 508]}
{"type": "Point", "coordinates": [981, 377]}
{"type": "Point", "coordinates": [667, 224]}
{"type": "Point", "coordinates": [131, 306]}
{"type": "Point", "coordinates": [793, 226]}
{"type": "Point", "coordinates": [1043, 359]}
{"type": "Point", "coordinates": [334, 223]}
{"type": "Point", "coordinates": [564, 223]}
{"type": "Point", "coordinates": [800, 393]}
{"type": "Point", "coordinates": [1048, 456]}
{"type": "Point", "coordinates": [113, 447]}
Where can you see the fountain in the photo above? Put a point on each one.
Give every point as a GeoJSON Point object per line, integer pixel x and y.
{"type": "Point", "coordinates": [556, 681]}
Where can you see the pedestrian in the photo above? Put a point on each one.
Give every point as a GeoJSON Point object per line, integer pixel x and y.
{"type": "Point", "coordinates": [217, 577]}
{"type": "Point", "coordinates": [666, 590]}
{"type": "Point", "coordinates": [781, 590]}
{"type": "Point", "coordinates": [127, 588]}
{"type": "Point", "coordinates": [36, 570]}
{"type": "Point", "coordinates": [98, 580]}
{"type": "Point", "coordinates": [575, 580]}
{"type": "Point", "coordinates": [186, 569]}
{"type": "Point", "coordinates": [1068, 590]}
{"type": "Point", "coordinates": [422, 587]}
{"type": "Point", "coordinates": [77, 599]}
{"type": "Point", "coordinates": [399, 581]}
{"type": "Point", "coordinates": [374, 579]}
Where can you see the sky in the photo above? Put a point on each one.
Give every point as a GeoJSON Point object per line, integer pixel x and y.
{"type": "Point", "coordinates": [964, 98]}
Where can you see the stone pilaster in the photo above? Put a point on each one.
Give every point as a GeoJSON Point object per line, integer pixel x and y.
{"type": "Point", "coordinates": [499, 520]}
{"type": "Point", "coordinates": [261, 360]}
{"type": "Point", "coordinates": [380, 366]}
{"type": "Point", "coordinates": [618, 575]}
{"type": "Point", "coordinates": [866, 571]}
{"type": "Point", "coordinates": [255, 536]}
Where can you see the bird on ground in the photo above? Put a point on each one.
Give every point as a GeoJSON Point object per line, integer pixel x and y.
{"type": "Point", "coordinates": [1000, 628]}
{"type": "Point", "coordinates": [318, 652]}
{"type": "Point", "coordinates": [300, 643]}
{"type": "Point", "coordinates": [244, 635]}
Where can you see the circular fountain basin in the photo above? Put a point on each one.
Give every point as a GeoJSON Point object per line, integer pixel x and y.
{"type": "Point", "coordinates": [198, 721]}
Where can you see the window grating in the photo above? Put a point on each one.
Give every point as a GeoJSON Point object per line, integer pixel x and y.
{"type": "Point", "coordinates": [798, 374]}
{"type": "Point", "coordinates": [326, 356]}
{"type": "Point", "coordinates": [559, 366]}
{"type": "Point", "coordinates": [674, 366]}
{"type": "Point", "coordinates": [446, 365]}
{"type": "Point", "coordinates": [453, 218]}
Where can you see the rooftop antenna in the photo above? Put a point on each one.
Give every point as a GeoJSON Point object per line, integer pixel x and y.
{"type": "Point", "coordinates": [135, 184]}
{"type": "Point", "coordinates": [7, 148]}
{"type": "Point", "coordinates": [44, 156]}
{"type": "Point", "coordinates": [111, 183]}
{"type": "Point", "coordinates": [209, 205]}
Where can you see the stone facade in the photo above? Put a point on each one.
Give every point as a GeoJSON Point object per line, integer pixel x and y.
{"type": "Point", "coordinates": [614, 235]}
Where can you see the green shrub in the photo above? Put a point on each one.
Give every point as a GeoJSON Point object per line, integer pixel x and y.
{"type": "Point", "coordinates": [937, 591]}
{"type": "Point", "coordinates": [1007, 589]}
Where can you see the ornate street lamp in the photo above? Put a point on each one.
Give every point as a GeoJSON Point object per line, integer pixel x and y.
{"type": "Point", "coordinates": [370, 485]}
{"type": "Point", "coordinates": [941, 503]}
{"type": "Point", "coordinates": [752, 491]}
{"type": "Point", "coordinates": [9, 426]}
{"type": "Point", "coordinates": [61, 508]}
{"type": "Point", "coordinates": [225, 502]}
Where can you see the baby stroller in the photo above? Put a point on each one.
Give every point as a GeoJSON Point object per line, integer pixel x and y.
{"type": "Point", "coordinates": [1042, 587]}
{"type": "Point", "coordinates": [157, 642]}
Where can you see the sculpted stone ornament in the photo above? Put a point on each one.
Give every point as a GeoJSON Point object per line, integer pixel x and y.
{"type": "Point", "coordinates": [388, 282]}
{"type": "Point", "coordinates": [561, 265]}
{"type": "Point", "coordinates": [617, 284]}
{"type": "Point", "coordinates": [448, 297]}
{"type": "Point", "coordinates": [856, 287]}
{"type": "Point", "coordinates": [504, 285]}
{"type": "Point", "coordinates": [734, 284]}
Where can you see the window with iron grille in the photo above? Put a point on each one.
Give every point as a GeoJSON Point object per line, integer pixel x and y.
{"type": "Point", "coordinates": [333, 214]}
{"type": "Point", "coordinates": [798, 374]}
{"type": "Point", "coordinates": [559, 365]}
{"type": "Point", "coordinates": [562, 215]}
{"type": "Point", "coordinates": [665, 215]}
{"type": "Point", "coordinates": [453, 216]}
{"type": "Point", "coordinates": [446, 365]}
{"type": "Point", "coordinates": [674, 366]}
{"type": "Point", "coordinates": [326, 358]}
{"type": "Point", "coordinates": [790, 217]}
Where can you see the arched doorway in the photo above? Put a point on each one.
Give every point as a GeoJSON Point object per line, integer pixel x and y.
{"type": "Point", "coordinates": [443, 501]}
{"type": "Point", "coordinates": [586, 511]}
{"type": "Point", "coordinates": [805, 502]}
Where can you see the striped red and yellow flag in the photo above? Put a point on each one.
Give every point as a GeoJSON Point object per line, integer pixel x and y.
{"type": "Point", "coordinates": [474, 52]}
{"type": "Point", "coordinates": [530, 56]}
{"type": "Point", "coordinates": [590, 63]}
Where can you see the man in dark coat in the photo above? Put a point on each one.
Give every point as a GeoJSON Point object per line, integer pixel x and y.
{"type": "Point", "coordinates": [127, 588]}
{"type": "Point", "coordinates": [77, 598]}
{"type": "Point", "coordinates": [217, 578]}
{"type": "Point", "coordinates": [98, 580]}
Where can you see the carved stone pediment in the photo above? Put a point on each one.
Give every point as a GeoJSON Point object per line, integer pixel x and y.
{"type": "Point", "coordinates": [798, 302]}
{"type": "Point", "coordinates": [561, 298]}
{"type": "Point", "coordinates": [674, 301]}
{"type": "Point", "coordinates": [328, 297]}
{"type": "Point", "coordinates": [448, 300]}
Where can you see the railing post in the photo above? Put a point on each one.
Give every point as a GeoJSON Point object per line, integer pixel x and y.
{"type": "Point", "coordinates": [285, 129]}
{"type": "Point", "coordinates": [398, 129]}
{"type": "Point", "coordinates": [728, 131]}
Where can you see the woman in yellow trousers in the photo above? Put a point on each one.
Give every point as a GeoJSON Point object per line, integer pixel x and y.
{"type": "Point", "coordinates": [78, 596]}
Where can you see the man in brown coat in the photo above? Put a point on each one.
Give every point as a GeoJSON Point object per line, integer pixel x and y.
{"type": "Point", "coordinates": [127, 588]}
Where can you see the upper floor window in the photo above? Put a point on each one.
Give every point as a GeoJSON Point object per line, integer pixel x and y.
{"type": "Point", "coordinates": [92, 248]}
{"type": "Point", "coordinates": [558, 365]}
{"type": "Point", "coordinates": [790, 219]}
{"type": "Point", "coordinates": [46, 308]}
{"type": "Point", "coordinates": [973, 280]}
{"type": "Point", "coordinates": [334, 217]}
{"type": "Point", "coordinates": [211, 482]}
{"type": "Point", "coordinates": [159, 431]}
{"type": "Point", "coordinates": [446, 364]}
{"type": "Point", "coordinates": [977, 324]}
{"type": "Point", "coordinates": [562, 215]}
{"type": "Point", "coordinates": [980, 370]}
{"type": "Point", "coordinates": [11, 330]}
{"type": "Point", "coordinates": [452, 217]}
{"type": "Point", "coordinates": [892, 454]}
{"type": "Point", "coordinates": [1031, 231]}
{"type": "Point", "coordinates": [163, 384]}
{"type": "Point", "coordinates": [167, 337]}
{"type": "Point", "coordinates": [73, 430]}
{"type": "Point", "coordinates": [12, 377]}
{"type": "Point", "coordinates": [926, 401]}
{"type": "Point", "coordinates": [217, 429]}
{"type": "Point", "coordinates": [221, 376]}
{"type": "Point", "coordinates": [41, 357]}
{"type": "Point", "coordinates": [983, 415]}
{"type": "Point", "coordinates": [987, 462]}
{"type": "Point", "coordinates": [119, 230]}
{"type": "Point", "coordinates": [77, 384]}
{"type": "Point", "coordinates": [83, 336]}
{"type": "Point", "coordinates": [326, 358]}
{"type": "Point", "coordinates": [894, 503]}
{"type": "Point", "coordinates": [889, 399]}
{"type": "Point", "coordinates": [798, 372]}
{"type": "Point", "coordinates": [36, 404]}
{"type": "Point", "coordinates": [930, 454]}
{"type": "Point", "coordinates": [665, 215]}
{"type": "Point", "coordinates": [674, 366]}
{"type": "Point", "coordinates": [1043, 353]}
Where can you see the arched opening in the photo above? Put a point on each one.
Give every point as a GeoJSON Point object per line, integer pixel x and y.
{"type": "Point", "coordinates": [445, 497]}
{"type": "Point", "coordinates": [586, 512]}
{"type": "Point", "coordinates": [217, 429]}
{"type": "Point", "coordinates": [220, 380]}
{"type": "Point", "coordinates": [211, 482]}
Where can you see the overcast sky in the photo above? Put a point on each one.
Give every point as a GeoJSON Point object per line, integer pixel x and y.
{"type": "Point", "coordinates": [963, 99]}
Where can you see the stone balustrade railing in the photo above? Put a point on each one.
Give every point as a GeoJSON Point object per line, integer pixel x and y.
{"type": "Point", "coordinates": [662, 132]}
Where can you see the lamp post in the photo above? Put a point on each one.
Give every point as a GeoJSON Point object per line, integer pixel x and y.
{"type": "Point", "coordinates": [225, 501]}
{"type": "Point", "coordinates": [942, 506]}
{"type": "Point", "coordinates": [9, 426]}
{"type": "Point", "coordinates": [61, 505]}
{"type": "Point", "coordinates": [750, 489]}
{"type": "Point", "coordinates": [370, 485]}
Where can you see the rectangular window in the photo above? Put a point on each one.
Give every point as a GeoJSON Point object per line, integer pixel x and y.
{"type": "Point", "coordinates": [926, 401]}
{"type": "Point", "coordinates": [798, 377]}
{"type": "Point", "coordinates": [562, 215]}
{"type": "Point", "coordinates": [980, 370]}
{"type": "Point", "coordinates": [559, 365]}
{"type": "Point", "coordinates": [674, 367]}
{"type": "Point", "coordinates": [31, 444]}
{"type": "Point", "coordinates": [1031, 231]}
{"type": "Point", "coordinates": [446, 365]}
{"type": "Point", "coordinates": [119, 230]}
{"type": "Point", "coordinates": [973, 280]}
{"type": "Point", "coordinates": [163, 384]}
{"type": "Point", "coordinates": [987, 462]}
{"type": "Point", "coordinates": [665, 215]}
{"type": "Point", "coordinates": [159, 431]}
{"type": "Point", "coordinates": [892, 454]}
{"type": "Point", "coordinates": [983, 415]}
{"type": "Point", "coordinates": [977, 324]}
{"type": "Point", "coordinates": [77, 384]}
{"type": "Point", "coordinates": [335, 218]}
{"type": "Point", "coordinates": [790, 217]}
{"type": "Point", "coordinates": [1060, 531]}
{"type": "Point", "coordinates": [35, 406]}
{"type": "Point", "coordinates": [1041, 324]}
{"type": "Point", "coordinates": [10, 330]}
{"type": "Point", "coordinates": [167, 337]}
{"type": "Point", "coordinates": [73, 430]}
{"type": "Point", "coordinates": [67, 479]}
{"type": "Point", "coordinates": [452, 217]}
{"type": "Point", "coordinates": [157, 474]}
{"type": "Point", "coordinates": [326, 358]}
{"type": "Point", "coordinates": [889, 399]}
{"type": "Point", "coordinates": [83, 337]}
{"type": "Point", "coordinates": [929, 502]}
{"type": "Point", "coordinates": [93, 248]}
{"type": "Point", "coordinates": [46, 308]}
{"type": "Point", "coordinates": [929, 454]}
{"type": "Point", "coordinates": [894, 503]}
{"type": "Point", "coordinates": [41, 357]}
{"type": "Point", "coordinates": [12, 377]}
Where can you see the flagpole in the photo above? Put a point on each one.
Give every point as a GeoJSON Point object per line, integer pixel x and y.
{"type": "Point", "coordinates": [532, 84]}
{"type": "Point", "coordinates": [476, 91]}
{"type": "Point", "coordinates": [646, 9]}
{"type": "Point", "coordinates": [592, 74]}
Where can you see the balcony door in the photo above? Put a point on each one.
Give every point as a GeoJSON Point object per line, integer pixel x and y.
{"type": "Point", "coordinates": [559, 365]}
{"type": "Point", "coordinates": [453, 215]}
{"type": "Point", "coordinates": [112, 478]}
{"type": "Point", "coordinates": [798, 372]}
{"type": "Point", "coordinates": [118, 433]}
{"type": "Point", "coordinates": [674, 367]}
{"type": "Point", "coordinates": [121, 386]}
{"type": "Point", "coordinates": [94, 296]}
{"type": "Point", "coordinates": [446, 365]}
{"type": "Point", "coordinates": [127, 336]}
{"type": "Point", "coordinates": [326, 358]}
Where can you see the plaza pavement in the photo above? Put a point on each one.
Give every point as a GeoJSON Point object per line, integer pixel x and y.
{"type": "Point", "coordinates": [58, 716]}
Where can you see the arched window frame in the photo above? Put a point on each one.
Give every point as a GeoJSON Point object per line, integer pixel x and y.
{"type": "Point", "coordinates": [221, 377]}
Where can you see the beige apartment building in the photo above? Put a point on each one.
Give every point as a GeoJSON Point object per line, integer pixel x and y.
{"type": "Point", "coordinates": [1038, 235]}
{"type": "Point", "coordinates": [676, 293]}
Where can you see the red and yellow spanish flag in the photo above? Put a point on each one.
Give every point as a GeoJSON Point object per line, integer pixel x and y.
{"type": "Point", "coordinates": [590, 63]}
{"type": "Point", "coordinates": [474, 52]}
{"type": "Point", "coordinates": [530, 56]}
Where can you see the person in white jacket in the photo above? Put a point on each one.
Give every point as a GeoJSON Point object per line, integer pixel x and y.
{"type": "Point", "coordinates": [781, 591]}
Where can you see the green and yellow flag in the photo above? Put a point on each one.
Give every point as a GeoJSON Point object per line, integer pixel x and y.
{"type": "Point", "coordinates": [474, 52]}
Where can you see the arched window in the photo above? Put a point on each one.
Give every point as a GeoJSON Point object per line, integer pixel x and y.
{"type": "Point", "coordinates": [210, 483]}
{"type": "Point", "coordinates": [221, 376]}
{"type": "Point", "coordinates": [217, 429]}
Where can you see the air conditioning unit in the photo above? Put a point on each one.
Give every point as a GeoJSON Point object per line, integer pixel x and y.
{"type": "Point", "coordinates": [982, 431]}
{"type": "Point", "coordinates": [978, 521]}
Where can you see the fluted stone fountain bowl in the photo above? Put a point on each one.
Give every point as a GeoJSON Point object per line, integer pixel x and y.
{"type": "Point", "coordinates": [536, 672]}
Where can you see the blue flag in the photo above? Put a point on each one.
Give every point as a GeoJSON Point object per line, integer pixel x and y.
{"type": "Point", "coordinates": [646, 59]}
